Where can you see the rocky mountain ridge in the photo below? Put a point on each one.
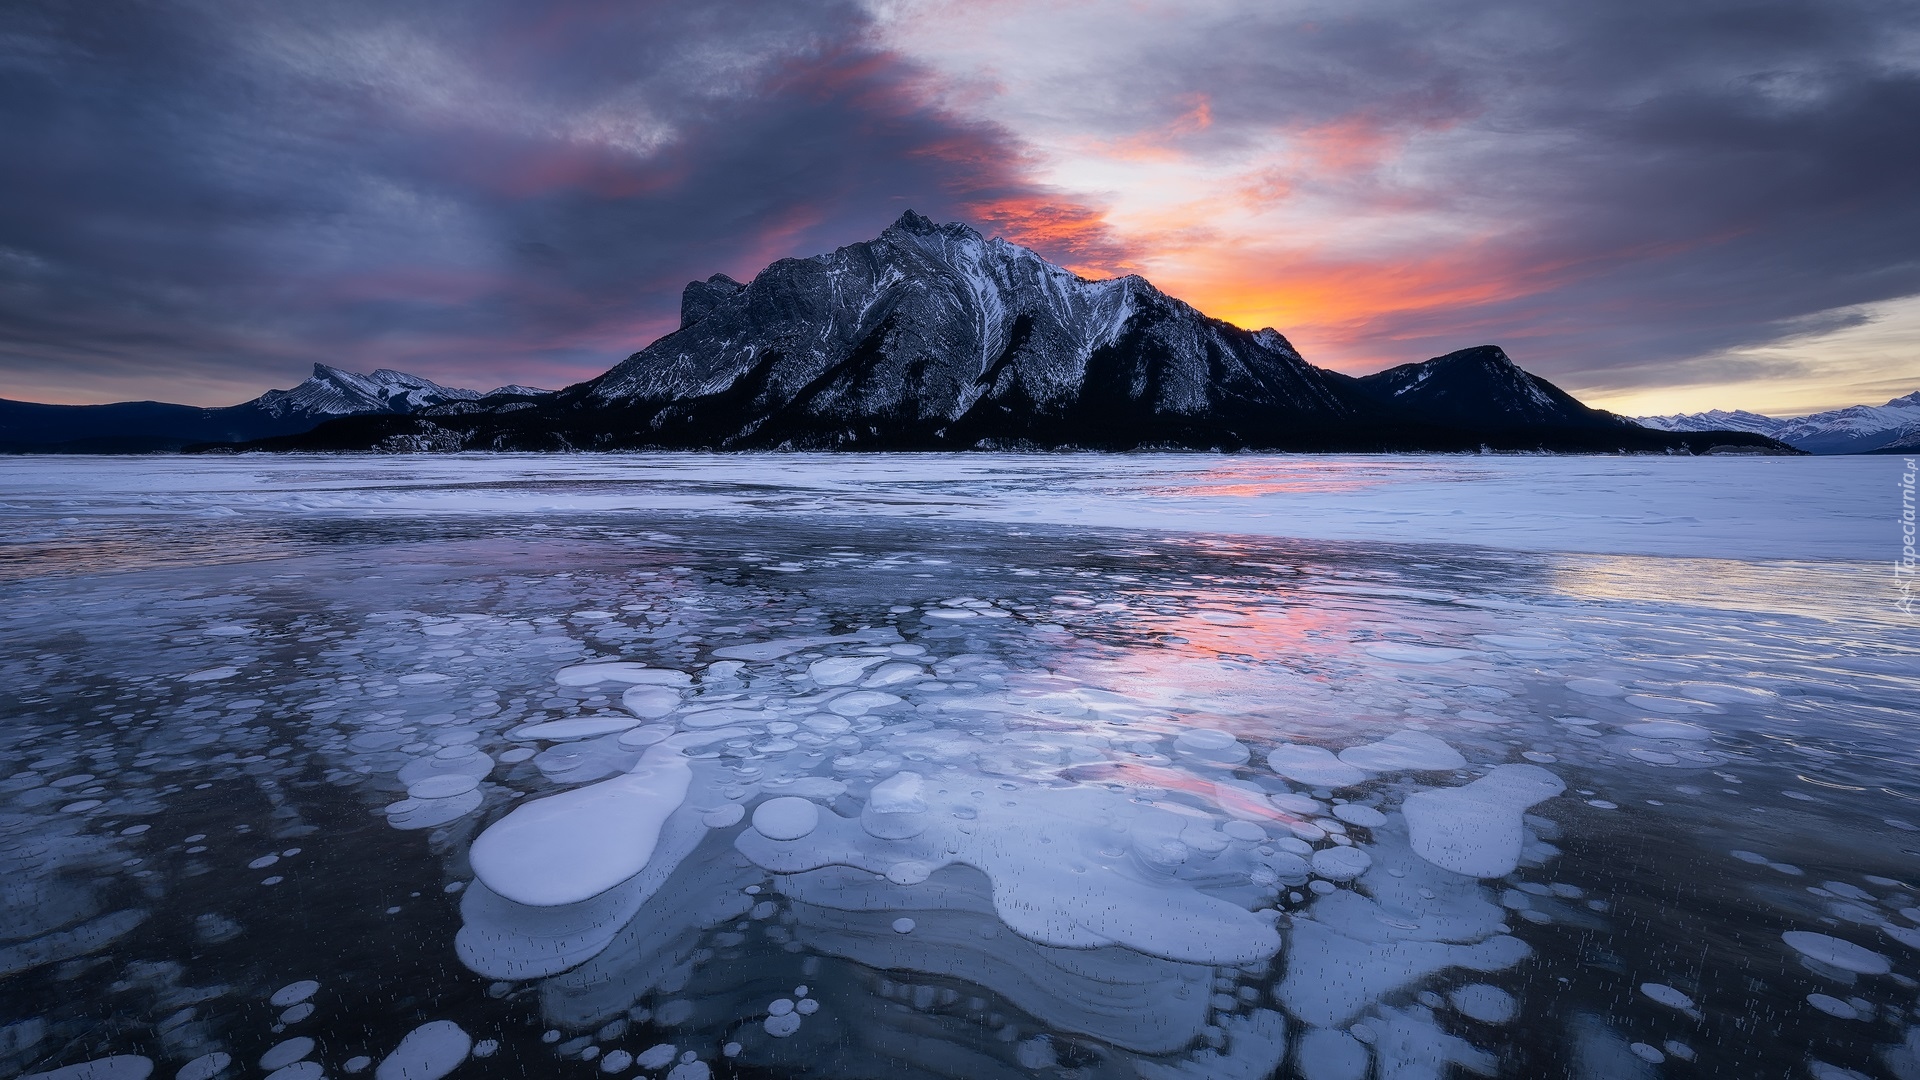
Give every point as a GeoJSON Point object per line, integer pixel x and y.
{"type": "Point", "coordinates": [158, 426]}
{"type": "Point", "coordinates": [1856, 429]}
{"type": "Point", "coordinates": [931, 336]}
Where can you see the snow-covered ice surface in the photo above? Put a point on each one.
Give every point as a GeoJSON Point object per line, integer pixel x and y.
{"type": "Point", "coordinates": [1071, 766]}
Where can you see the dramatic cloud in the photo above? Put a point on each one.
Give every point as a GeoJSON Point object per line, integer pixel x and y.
{"type": "Point", "coordinates": [1627, 194]}
{"type": "Point", "coordinates": [1636, 198]}
{"type": "Point", "coordinates": [201, 200]}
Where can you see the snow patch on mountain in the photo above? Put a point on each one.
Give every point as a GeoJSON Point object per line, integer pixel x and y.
{"type": "Point", "coordinates": [1852, 430]}
{"type": "Point", "coordinates": [330, 391]}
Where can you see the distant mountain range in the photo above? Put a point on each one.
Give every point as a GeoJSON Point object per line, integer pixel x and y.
{"type": "Point", "coordinates": [151, 426]}
{"type": "Point", "coordinates": [1857, 429]}
{"type": "Point", "coordinates": [932, 337]}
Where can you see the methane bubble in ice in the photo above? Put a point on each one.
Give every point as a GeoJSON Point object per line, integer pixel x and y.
{"type": "Point", "coordinates": [286, 1053]}
{"type": "Point", "coordinates": [566, 848]}
{"type": "Point", "coordinates": [1312, 765]}
{"type": "Point", "coordinates": [1408, 751]}
{"type": "Point", "coordinates": [1476, 830]}
{"type": "Point", "coordinates": [294, 993]}
{"type": "Point", "coordinates": [428, 1052]}
{"type": "Point", "coordinates": [204, 1067]}
{"type": "Point", "coordinates": [1487, 1004]}
{"type": "Point", "coordinates": [118, 1067]}
{"type": "Point", "coordinates": [786, 818]}
{"type": "Point", "coordinates": [1834, 952]}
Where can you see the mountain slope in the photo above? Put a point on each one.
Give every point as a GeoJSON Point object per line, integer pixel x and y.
{"type": "Point", "coordinates": [931, 335]}
{"type": "Point", "coordinates": [1714, 420]}
{"type": "Point", "coordinates": [1481, 389]}
{"type": "Point", "coordinates": [149, 426]}
{"type": "Point", "coordinates": [1853, 430]}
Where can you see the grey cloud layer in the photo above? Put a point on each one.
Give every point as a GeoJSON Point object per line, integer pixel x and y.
{"type": "Point", "coordinates": [216, 194]}
{"type": "Point", "coordinates": [222, 193]}
{"type": "Point", "coordinates": [1675, 178]}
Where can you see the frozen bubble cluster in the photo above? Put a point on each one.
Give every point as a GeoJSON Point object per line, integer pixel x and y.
{"type": "Point", "coordinates": [334, 787]}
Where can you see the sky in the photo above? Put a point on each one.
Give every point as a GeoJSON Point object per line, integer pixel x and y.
{"type": "Point", "coordinates": [1661, 207]}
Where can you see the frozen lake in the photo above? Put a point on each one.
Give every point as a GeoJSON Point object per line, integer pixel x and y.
{"type": "Point", "coordinates": [691, 766]}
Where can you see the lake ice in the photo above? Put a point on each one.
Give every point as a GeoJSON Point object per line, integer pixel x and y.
{"type": "Point", "coordinates": [699, 766]}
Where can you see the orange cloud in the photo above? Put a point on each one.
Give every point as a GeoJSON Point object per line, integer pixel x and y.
{"type": "Point", "coordinates": [1075, 236]}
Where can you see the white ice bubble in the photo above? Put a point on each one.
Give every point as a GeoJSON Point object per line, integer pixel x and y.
{"type": "Point", "coordinates": [1834, 952]}
{"type": "Point", "coordinates": [1477, 830]}
{"type": "Point", "coordinates": [1833, 1006]}
{"type": "Point", "coordinates": [642, 737]}
{"type": "Point", "coordinates": [1407, 750]}
{"type": "Point", "coordinates": [1670, 706]}
{"type": "Point", "coordinates": [442, 786]}
{"type": "Point", "coordinates": [786, 818]}
{"type": "Point", "coordinates": [1400, 652]}
{"type": "Point", "coordinates": [1595, 687]}
{"type": "Point", "coordinates": [841, 670]}
{"type": "Point", "coordinates": [212, 674]}
{"type": "Point", "coordinates": [903, 926]}
{"type": "Point", "coordinates": [356, 1064]}
{"type": "Point", "coordinates": [861, 702]}
{"type": "Point", "coordinates": [1668, 729]}
{"type": "Point", "coordinates": [893, 675]}
{"type": "Point", "coordinates": [690, 1070]}
{"type": "Point", "coordinates": [1666, 995]}
{"type": "Point", "coordinates": [1331, 1054]}
{"type": "Point", "coordinates": [1487, 1004]}
{"type": "Point", "coordinates": [117, 1067]}
{"type": "Point", "coordinates": [656, 1056]}
{"type": "Point", "coordinates": [1294, 803]}
{"type": "Point", "coordinates": [568, 847]}
{"type": "Point", "coordinates": [1313, 765]}
{"type": "Point", "coordinates": [1364, 816]}
{"type": "Point", "coordinates": [577, 727]}
{"type": "Point", "coordinates": [724, 817]}
{"type": "Point", "coordinates": [650, 702]}
{"type": "Point", "coordinates": [428, 1052]}
{"type": "Point", "coordinates": [297, 1013]}
{"type": "Point", "coordinates": [782, 1026]}
{"type": "Point", "coordinates": [1044, 854]}
{"type": "Point", "coordinates": [286, 1053]}
{"type": "Point", "coordinates": [294, 994]}
{"type": "Point", "coordinates": [617, 671]}
{"type": "Point", "coordinates": [616, 1061]}
{"type": "Point", "coordinates": [1211, 744]}
{"type": "Point", "coordinates": [1341, 863]}
{"type": "Point", "coordinates": [1244, 830]}
{"type": "Point", "coordinates": [204, 1067]}
{"type": "Point", "coordinates": [898, 794]}
{"type": "Point", "coordinates": [299, 1070]}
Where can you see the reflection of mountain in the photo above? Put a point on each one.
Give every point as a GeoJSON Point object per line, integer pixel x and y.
{"type": "Point", "coordinates": [147, 426]}
{"type": "Point", "coordinates": [932, 337]}
{"type": "Point", "coordinates": [1857, 429]}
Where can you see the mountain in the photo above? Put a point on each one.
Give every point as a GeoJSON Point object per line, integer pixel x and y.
{"type": "Point", "coordinates": [933, 337]}
{"type": "Point", "coordinates": [1715, 420]}
{"type": "Point", "coordinates": [149, 426]}
{"type": "Point", "coordinates": [1856, 429]}
{"type": "Point", "coordinates": [1481, 389]}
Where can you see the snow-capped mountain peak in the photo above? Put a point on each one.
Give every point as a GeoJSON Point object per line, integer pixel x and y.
{"type": "Point", "coordinates": [332, 391]}
{"type": "Point", "coordinates": [931, 328]}
{"type": "Point", "coordinates": [1852, 430]}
